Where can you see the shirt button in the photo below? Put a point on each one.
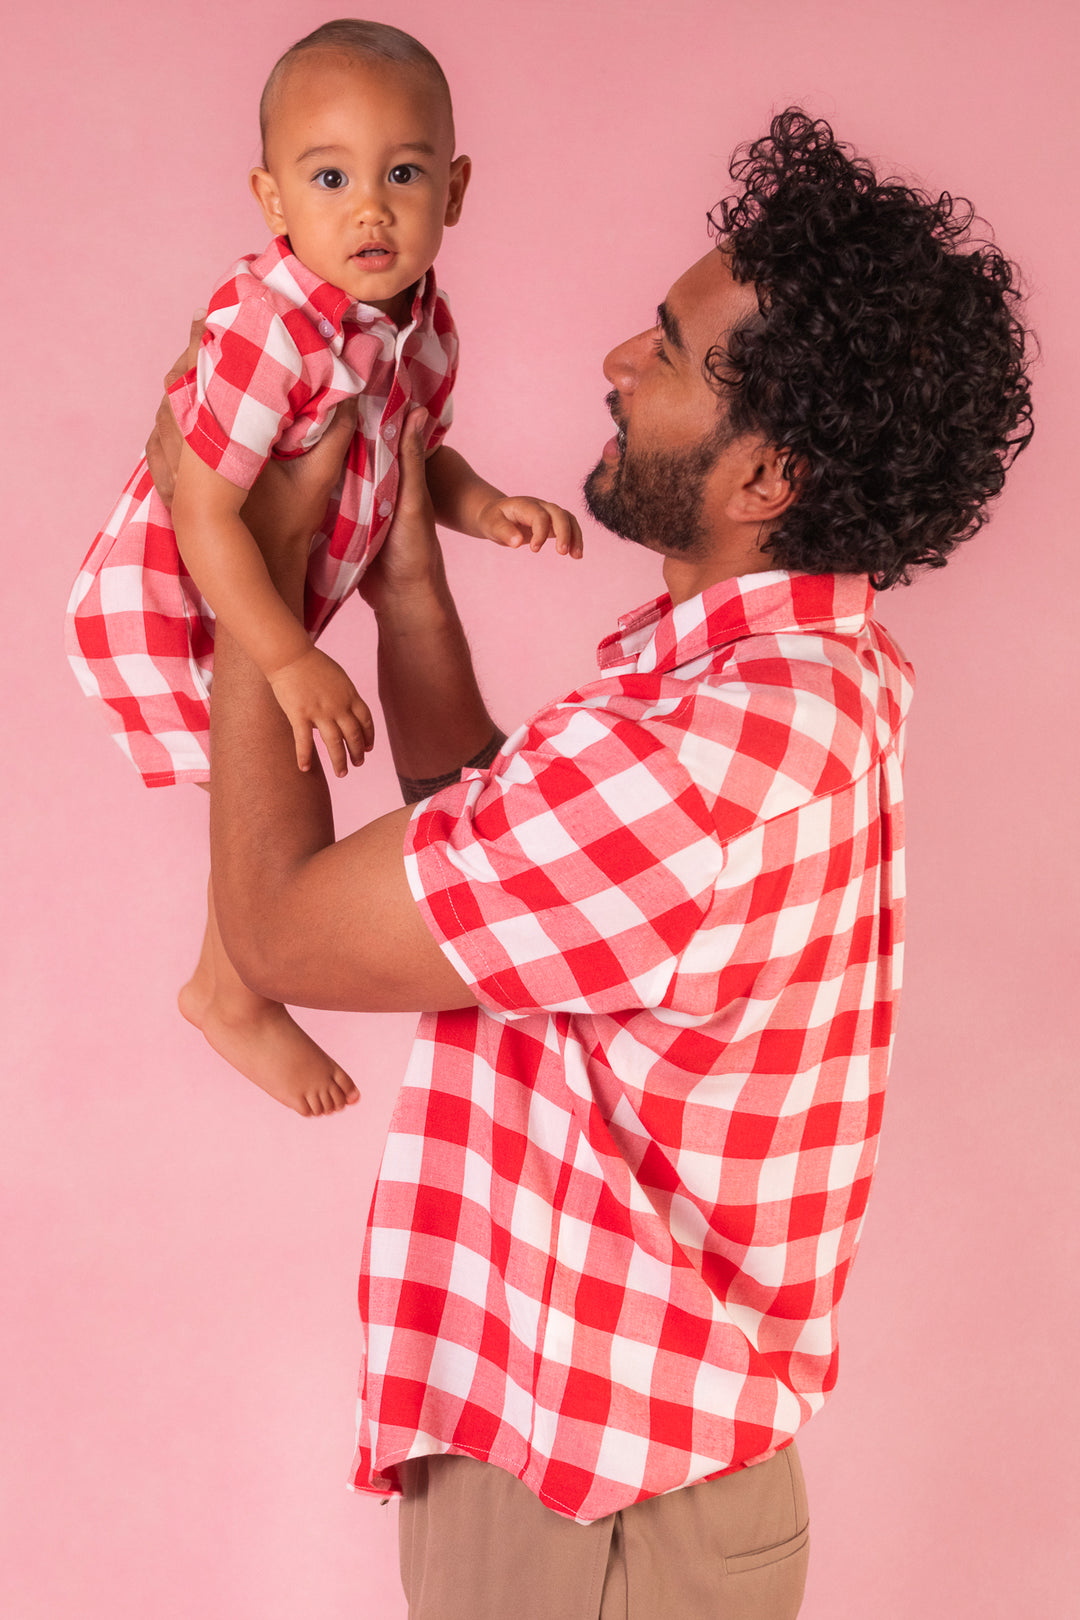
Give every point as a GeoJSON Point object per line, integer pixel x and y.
{"type": "Point", "coordinates": [390, 430]}
{"type": "Point", "coordinates": [326, 329]}
{"type": "Point", "coordinates": [385, 508]}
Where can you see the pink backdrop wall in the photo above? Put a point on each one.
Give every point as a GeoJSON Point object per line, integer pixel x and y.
{"type": "Point", "coordinates": [179, 1337]}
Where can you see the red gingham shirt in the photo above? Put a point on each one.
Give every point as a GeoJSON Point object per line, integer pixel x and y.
{"type": "Point", "coordinates": [620, 1197]}
{"type": "Point", "coordinates": [281, 349]}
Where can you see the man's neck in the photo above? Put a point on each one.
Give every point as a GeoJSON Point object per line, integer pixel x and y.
{"type": "Point", "coordinates": [689, 576]}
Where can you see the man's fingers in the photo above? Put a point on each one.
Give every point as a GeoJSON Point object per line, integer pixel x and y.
{"type": "Point", "coordinates": [162, 470]}
{"type": "Point", "coordinates": [184, 362]}
{"type": "Point", "coordinates": [324, 460]}
{"type": "Point", "coordinates": [343, 426]}
{"type": "Point", "coordinates": [163, 445]}
{"type": "Point", "coordinates": [412, 484]}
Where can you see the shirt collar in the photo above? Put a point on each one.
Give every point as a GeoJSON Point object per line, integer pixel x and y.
{"type": "Point", "coordinates": [321, 301]}
{"type": "Point", "coordinates": [660, 636]}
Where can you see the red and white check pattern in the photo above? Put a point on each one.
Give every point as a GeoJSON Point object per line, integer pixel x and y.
{"type": "Point", "coordinates": [620, 1198]}
{"type": "Point", "coordinates": [280, 351]}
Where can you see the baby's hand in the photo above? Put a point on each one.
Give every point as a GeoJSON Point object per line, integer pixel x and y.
{"type": "Point", "coordinates": [314, 691]}
{"type": "Point", "coordinates": [519, 519]}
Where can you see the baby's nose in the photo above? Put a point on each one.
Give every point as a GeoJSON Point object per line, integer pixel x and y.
{"type": "Point", "coordinates": [372, 207]}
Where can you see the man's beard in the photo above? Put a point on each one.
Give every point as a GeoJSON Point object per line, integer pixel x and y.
{"type": "Point", "coordinates": [656, 498]}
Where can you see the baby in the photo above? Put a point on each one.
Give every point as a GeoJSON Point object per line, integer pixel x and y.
{"type": "Point", "coordinates": [358, 181]}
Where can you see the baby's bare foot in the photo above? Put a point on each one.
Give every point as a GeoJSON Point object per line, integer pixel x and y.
{"type": "Point", "coordinates": [262, 1041]}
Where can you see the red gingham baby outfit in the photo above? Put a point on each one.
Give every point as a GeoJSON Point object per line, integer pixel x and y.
{"type": "Point", "coordinates": [281, 349]}
{"type": "Point", "coordinates": [620, 1198]}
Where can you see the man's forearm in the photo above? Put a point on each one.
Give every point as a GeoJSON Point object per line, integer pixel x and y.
{"type": "Point", "coordinates": [306, 919]}
{"type": "Point", "coordinates": [436, 720]}
{"type": "Point", "coordinates": [261, 806]}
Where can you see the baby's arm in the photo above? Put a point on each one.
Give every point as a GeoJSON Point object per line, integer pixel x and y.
{"type": "Point", "coordinates": [466, 502]}
{"type": "Point", "coordinates": [222, 558]}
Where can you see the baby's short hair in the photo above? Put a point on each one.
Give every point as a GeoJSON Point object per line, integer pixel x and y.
{"type": "Point", "coordinates": [351, 36]}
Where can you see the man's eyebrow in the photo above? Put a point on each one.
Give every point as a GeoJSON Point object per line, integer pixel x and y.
{"type": "Point", "coordinates": [423, 147]}
{"type": "Point", "coordinates": [670, 328]}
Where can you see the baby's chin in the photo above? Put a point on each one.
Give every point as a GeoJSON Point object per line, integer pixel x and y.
{"type": "Point", "coordinates": [380, 281]}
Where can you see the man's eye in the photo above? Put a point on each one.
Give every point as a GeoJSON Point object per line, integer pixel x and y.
{"type": "Point", "coordinates": [403, 174]}
{"type": "Point", "coordinates": [331, 179]}
{"type": "Point", "coordinates": [659, 350]}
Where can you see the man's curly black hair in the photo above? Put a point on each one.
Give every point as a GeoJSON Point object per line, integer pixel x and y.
{"type": "Point", "coordinates": [887, 359]}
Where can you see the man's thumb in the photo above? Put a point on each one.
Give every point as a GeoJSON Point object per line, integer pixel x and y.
{"type": "Point", "coordinates": [343, 425]}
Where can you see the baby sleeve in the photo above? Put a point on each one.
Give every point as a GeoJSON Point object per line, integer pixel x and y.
{"type": "Point", "coordinates": [440, 405]}
{"type": "Point", "coordinates": [249, 382]}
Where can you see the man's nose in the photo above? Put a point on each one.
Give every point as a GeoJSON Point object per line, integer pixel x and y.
{"type": "Point", "coordinates": [622, 366]}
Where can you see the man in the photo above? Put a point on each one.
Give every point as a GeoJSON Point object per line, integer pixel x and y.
{"type": "Point", "coordinates": [657, 940]}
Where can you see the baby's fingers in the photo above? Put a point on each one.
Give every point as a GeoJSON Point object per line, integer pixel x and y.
{"type": "Point", "coordinates": [305, 749]}
{"type": "Point", "coordinates": [540, 525]}
{"type": "Point", "coordinates": [506, 532]}
{"type": "Point", "coordinates": [362, 715]}
{"type": "Point", "coordinates": [569, 541]}
{"type": "Point", "coordinates": [358, 733]}
{"type": "Point", "coordinates": [334, 743]}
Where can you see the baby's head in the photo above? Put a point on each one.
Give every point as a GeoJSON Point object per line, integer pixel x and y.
{"type": "Point", "coordinates": [358, 159]}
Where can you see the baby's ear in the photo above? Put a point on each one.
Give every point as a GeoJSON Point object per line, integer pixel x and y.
{"type": "Point", "coordinates": [265, 188]}
{"type": "Point", "coordinates": [460, 171]}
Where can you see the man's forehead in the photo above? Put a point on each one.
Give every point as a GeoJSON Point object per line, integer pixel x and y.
{"type": "Point", "coordinates": [706, 301]}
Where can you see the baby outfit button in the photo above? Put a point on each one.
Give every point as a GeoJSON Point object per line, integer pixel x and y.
{"type": "Point", "coordinates": [390, 430]}
{"type": "Point", "coordinates": [385, 508]}
{"type": "Point", "coordinates": [326, 328]}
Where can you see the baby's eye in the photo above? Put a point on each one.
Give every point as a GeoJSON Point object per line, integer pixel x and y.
{"type": "Point", "coordinates": [403, 174]}
{"type": "Point", "coordinates": [331, 179]}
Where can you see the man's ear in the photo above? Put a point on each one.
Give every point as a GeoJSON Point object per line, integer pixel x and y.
{"type": "Point", "coordinates": [763, 493]}
{"type": "Point", "coordinates": [265, 188]}
{"type": "Point", "coordinates": [460, 174]}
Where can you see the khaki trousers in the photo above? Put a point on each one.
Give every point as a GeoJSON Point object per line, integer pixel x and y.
{"type": "Point", "coordinates": [476, 1544]}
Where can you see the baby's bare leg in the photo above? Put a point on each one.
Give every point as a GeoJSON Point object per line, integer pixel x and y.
{"type": "Point", "coordinates": [257, 1036]}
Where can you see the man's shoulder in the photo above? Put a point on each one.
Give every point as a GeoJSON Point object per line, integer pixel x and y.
{"type": "Point", "coordinates": [760, 727]}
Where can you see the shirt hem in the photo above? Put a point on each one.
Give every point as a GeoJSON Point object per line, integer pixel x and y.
{"type": "Point", "coordinates": [457, 1449]}
{"type": "Point", "coordinates": [152, 779]}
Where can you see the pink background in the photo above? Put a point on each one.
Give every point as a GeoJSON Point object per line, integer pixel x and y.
{"type": "Point", "coordinates": [179, 1336]}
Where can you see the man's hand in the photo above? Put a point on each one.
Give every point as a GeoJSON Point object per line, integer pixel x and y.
{"type": "Point", "coordinates": [163, 445]}
{"type": "Point", "coordinates": [515, 520]}
{"type": "Point", "coordinates": [316, 692]}
{"type": "Point", "coordinates": [289, 498]}
{"type": "Point", "coordinates": [409, 562]}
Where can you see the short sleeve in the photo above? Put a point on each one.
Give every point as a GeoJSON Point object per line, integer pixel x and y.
{"type": "Point", "coordinates": [573, 874]}
{"type": "Point", "coordinates": [440, 425]}
{"type": "Point", "coordinates": [244, 391]}
{"type": "Point", "coordinates": [440, 406]}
